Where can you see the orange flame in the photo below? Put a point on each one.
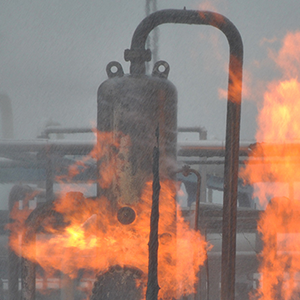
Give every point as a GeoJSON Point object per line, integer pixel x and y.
{"type": "Point", "coordinates": [83, 233]}
{"type": "Point", "coordinates": [273, 169]}
{"type": "Point", "coordinates": [280, 264]}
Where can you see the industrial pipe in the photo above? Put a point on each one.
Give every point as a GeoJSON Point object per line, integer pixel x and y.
{"type": "Point", "coordinates": [17, 193]}
{"type": "Point", "coordinates": [60, 130]}
{"type": "Point", "coordinates": [138, 55]}
{"type": "Point", "coordinates": [7, 122]}
{"type": "Point", "coordinates": [186, 171]}
{"type": "Point", "coordinates": [32, 224]}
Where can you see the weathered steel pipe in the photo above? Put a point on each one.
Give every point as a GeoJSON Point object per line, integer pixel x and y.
{"type": "Point", "coordinates": [137, 55]}
{"type": "Point", "coordinates": [32, 225]}
{"type": "Point", "coordinates": [28, 267]}
{"type": "Point", "coordinates": [152, 284]}
{"type": "Point", "coordinates": [7, 123]}
{"type": "Point", "coordinates": [61, 130]}
{"type": "Point", "coordinates": [200, 130]}
{"type": "Point", "coordinates": [18, 192]}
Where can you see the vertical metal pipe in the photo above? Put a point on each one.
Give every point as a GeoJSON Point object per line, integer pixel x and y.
{"type": "Point", "coordinates": [28, 279]}
{"type": "Point", "coordinates": [7, 123]}
{"type": "Point", "coordinates": [231, 177]}
{"type": "Point", "coordinates": [17, 193]}
{"type": "Point", "coordinates": [186, 171]}
{"type": "Point", "coordinates": [13, 259]}
{"type": "Point", "coordinates": [137, 55]}
{"type": "Point", "coordinates": [1, 290]}
{"type": "Point", "coordinates": [152, 284]}
{"type": "Point", "coordinates": [32, 224]}
{"type": "Point", "coordinates": [49, 175]}
{"type": "Point", "coordinates": [197, 198]}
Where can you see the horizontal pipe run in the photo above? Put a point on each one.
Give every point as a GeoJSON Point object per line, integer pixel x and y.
{"type": "Point", "coordinates": [67, 130]}
{"type": "Point", "coordinates": [204, 148]}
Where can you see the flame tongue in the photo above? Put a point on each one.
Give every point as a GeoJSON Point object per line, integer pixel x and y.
{"type": "Point", "coordinates": [90, 237]}
{"type": "Point", "coordinates": [274, 171]}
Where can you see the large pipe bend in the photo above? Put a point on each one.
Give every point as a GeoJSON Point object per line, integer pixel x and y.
{"type": "Point", "coordinates": [137, 55]}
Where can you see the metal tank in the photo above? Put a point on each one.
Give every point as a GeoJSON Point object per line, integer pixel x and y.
{"type": "Point", "coordinates": [136, 111]}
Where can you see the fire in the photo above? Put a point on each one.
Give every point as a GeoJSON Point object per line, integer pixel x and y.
{"type": "Point", "coordinates": [273, 169]}
{"type": "Point", "coordinates": [85, 234]}
{"type": "Point", "coordinates": [280, 266]}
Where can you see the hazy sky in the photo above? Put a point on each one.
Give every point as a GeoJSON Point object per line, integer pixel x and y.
{"type": "Point", "coordinates": [54, 53]}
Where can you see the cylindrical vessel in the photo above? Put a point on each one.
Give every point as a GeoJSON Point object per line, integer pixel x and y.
{"type": "Point", "coordinates": [132, 110]}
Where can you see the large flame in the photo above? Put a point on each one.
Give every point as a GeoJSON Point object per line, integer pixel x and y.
{"type": "Point", "coordinates": [85, 234]}
{"type": "Point", "coordinates": [274, 171]}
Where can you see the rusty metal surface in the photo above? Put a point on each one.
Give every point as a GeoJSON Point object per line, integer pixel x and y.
{"type": "Point", "coordinates": [32, 224]}
{"type": "Point", "coordinates": [152, 284]}
{"type": "Point", "coordinates": [118, 282]}
{"type": "Point", "coordinates": [131, 108]}
{"type": "Point", "coordinates": [28, 279]}
{"type": "Point", "coordinates": [17, 193]}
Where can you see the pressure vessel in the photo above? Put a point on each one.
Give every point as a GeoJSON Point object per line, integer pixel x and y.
{"type": "Point", "coordinates": [135, 114]}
